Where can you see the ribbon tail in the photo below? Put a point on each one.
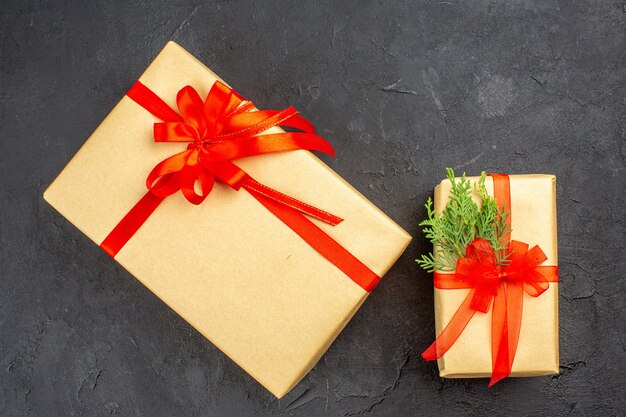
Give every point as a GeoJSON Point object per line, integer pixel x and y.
{"type": "Point", "coordinates": [256, 188]}
{"type": "Point", "coordinates": [236, 178]}
{"type": "Point", "coordinates": [129, 225]}
{"type": "Point", "coordinates": [452, 331]}
{"type": "Point", "coordinates": [321, 242]}
{"type": "Point", "coordinates": [499, 350]}
{"type": "Point", "coordinates": [506, 325]}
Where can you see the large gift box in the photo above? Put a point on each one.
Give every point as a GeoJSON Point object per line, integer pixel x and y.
{"type": "Point", "coordinates": [229, 266]}
{"type": "Point", "coordinates": [535, 349]}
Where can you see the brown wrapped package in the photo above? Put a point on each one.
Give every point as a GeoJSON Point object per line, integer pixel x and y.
{"type": "Point", "coordinates": [533, 221]}
{"type": "Point", "coordinates": [229, 267]}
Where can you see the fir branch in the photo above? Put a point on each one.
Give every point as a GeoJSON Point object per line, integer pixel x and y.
{"type": "Point", "coordinates": [461, 222]}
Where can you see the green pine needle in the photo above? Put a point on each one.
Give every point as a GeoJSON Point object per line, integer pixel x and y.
{"type": "Point", "coordinates": [460, 223]}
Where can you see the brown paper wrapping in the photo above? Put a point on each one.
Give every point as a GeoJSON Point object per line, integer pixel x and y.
{"type": "Point", "coordinates": [229, 267]}
{"type": "Point", "coordinates": [533, 221]}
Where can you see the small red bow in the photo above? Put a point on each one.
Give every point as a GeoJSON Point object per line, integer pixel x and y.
{"type": "Point", "coordinates": [505, 285]}
{"type": "Point", "coordinates": [479, 269]}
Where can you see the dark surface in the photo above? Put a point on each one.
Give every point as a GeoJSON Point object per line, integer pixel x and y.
{"type": "Point", "coordinates": [401, 90]}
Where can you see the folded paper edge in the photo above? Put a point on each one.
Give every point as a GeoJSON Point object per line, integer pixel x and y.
{"type": "Point", "coordinates": [452, 375]}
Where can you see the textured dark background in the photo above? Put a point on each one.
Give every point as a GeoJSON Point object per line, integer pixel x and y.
{"type": "Point", "coordinates": [402, 89]}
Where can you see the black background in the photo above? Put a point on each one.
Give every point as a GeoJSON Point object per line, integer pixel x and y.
{"type": "Point", "coordinates": [402, 89]}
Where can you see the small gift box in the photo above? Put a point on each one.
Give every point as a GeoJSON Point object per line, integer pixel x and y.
{"type": "Point", "coordinates": [266, 277]}
{"type": "Point", "coordinates": [496, 304]}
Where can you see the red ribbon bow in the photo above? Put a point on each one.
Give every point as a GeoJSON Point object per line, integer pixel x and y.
{"type": "Point", "coordinates": [479, 270]}
{"type": "Point", "coordinates": [219, 129]}
{"type": "Point", "coordinates": [222, 128]}
{"type": "Point", "coordinates": [504, 285]}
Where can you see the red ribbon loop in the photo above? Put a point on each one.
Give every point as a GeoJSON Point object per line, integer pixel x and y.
{"type": "Point", "coordinates": [220, 129]}
{"type": "Point", "coordinates": [491, 284]}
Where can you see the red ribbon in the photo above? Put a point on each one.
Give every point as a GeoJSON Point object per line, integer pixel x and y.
{"type": "Point", "coordinates": [219, 129]}
{"type": "Point", "coordinates": [504, 285]}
